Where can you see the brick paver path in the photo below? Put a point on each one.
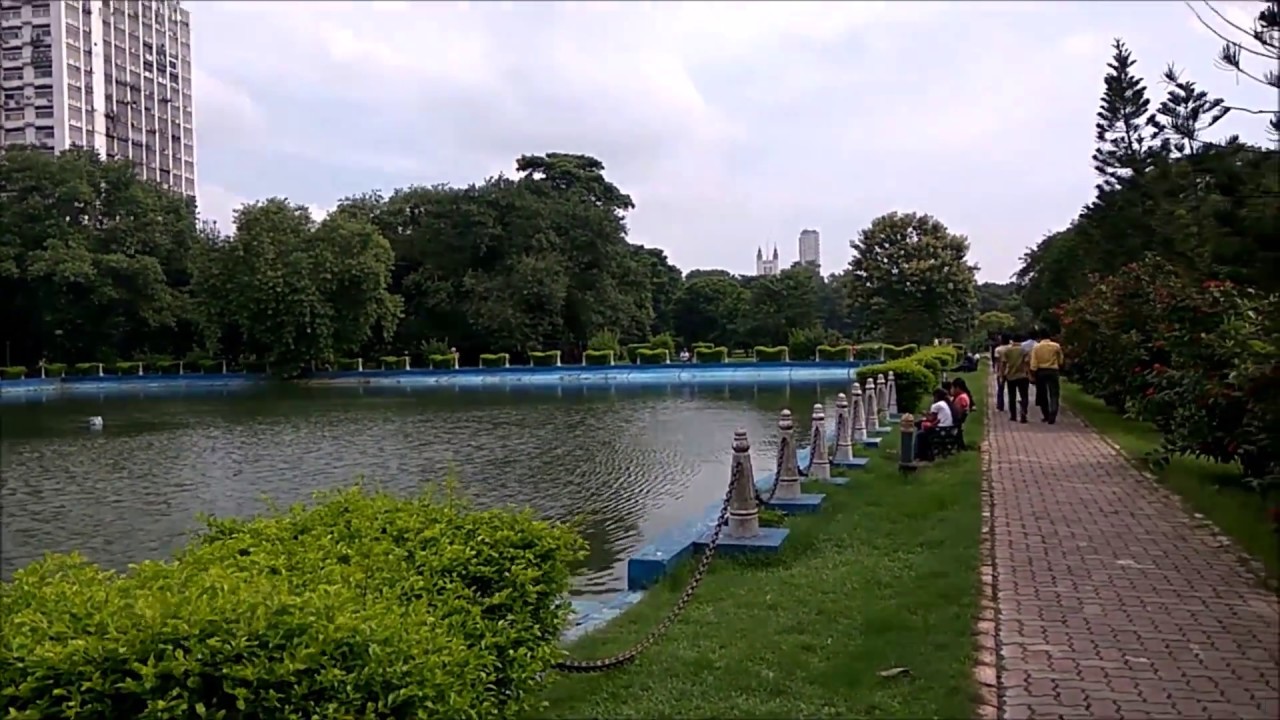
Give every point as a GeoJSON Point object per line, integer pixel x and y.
{"type": "Point", "coordinates": [1111, 602]}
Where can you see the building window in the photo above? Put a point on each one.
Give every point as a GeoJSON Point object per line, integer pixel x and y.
{"type": "Point", "coordinates": [40, 11]}
{"type": "Point", "coordinates": [44, 134]}
{"type": "Point", "coordinates": [44, 72]}
{"type": "Point", "coordinates": [14, 74]}
{"type": "Point", "coordinates": [15, 136]}
{"type": "Point", "coordinates": [13, 56]}
{"type": "Point", "coordinates": [44, 94]}
{"type": "Point", "coordinates": [11, 14]}
{"type": "Point", "coordinates": [44, 113]}
{"type": "Point", "coordinates": [11, 34]}
{"type": "Point", "coordinates": [14, 116]}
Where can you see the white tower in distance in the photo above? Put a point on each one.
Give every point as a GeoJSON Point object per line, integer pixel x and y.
{"type": "Point", "coordinates": [811, 249]}
{"type": "Point", "coordinates": [766, 266]}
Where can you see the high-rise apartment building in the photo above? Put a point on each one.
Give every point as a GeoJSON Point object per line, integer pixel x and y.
{"type": "Point", "coordinates": [765, 265]}
{"type": "Point", "coordinates": [810, 249]}
{"type": "Point", "coordinates": [111, 75]}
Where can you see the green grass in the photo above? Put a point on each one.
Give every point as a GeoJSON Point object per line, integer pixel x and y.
{"type": "Point", "coordinates": [1240, 513]}
{"type": "Point", "coordinates": [885, 576]}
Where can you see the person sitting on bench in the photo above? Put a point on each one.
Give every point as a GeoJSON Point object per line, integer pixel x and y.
{"type": "Point", "coordinates": [939, 417]}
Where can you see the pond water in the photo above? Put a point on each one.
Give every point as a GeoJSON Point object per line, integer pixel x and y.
{"type": "Point", "coordinates": [627, 462]}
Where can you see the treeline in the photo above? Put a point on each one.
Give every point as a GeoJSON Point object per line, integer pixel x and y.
{"type": "Point", "coordinates": [1164, 287]}
{"type": "Point", "coordinates": [99, 266]}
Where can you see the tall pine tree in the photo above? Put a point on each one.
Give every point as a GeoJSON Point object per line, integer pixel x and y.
{"type": "Point", "coordinates": [1123, 132]}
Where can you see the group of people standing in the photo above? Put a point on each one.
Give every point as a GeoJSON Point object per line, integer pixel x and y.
{"type": "Point", "coordinates": [1020, 361]}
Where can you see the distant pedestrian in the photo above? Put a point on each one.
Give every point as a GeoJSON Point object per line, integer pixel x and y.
{"type": "Point", "coordinates": [997, 367]}
{"type": "Point", "coordinates": [1046, 368]}
{"type": "Point", "coordinates": [1017, 378]}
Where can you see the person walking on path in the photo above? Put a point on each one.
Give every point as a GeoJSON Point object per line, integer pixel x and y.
{"type": "Point", "coordinates": [1046, 368]}
{"type": "Point", "coordinates": [1017, 378]}
{"type": "Point", "coordinates": [1108, 600]}
{"type": "Point", "coordinates": [997, 368]}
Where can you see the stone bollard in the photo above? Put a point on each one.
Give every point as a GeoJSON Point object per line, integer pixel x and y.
{"type": "Point", "coordinates": [858, 414]}
{"type": "Point", "coordinates": [907, 450]}
{"type": "Point", "coordinates": [819, 464]}
{"type": "Point", "coordinates": [893, 395]}
{"type": "Point", "coordinates": [882, 397]}
{"type": "Point", "coordinates": [844, 440]}
{"type": "Point", "coordinates": [788, 471]}
{"type": "Point", "coordinates": [873, 415]}
{"type": "Point", "coordinates": [744, 514]}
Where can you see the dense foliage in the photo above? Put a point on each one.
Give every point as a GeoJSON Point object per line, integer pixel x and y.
{"type": "Point", "coordinates": [362, 605]}
{"type": "Point", "coordinates": [1165, 286]}
{"type": "Point", "coordinates": [97, 265]}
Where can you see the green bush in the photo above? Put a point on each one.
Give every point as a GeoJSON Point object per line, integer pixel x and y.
{"type": "Point", "coordinates": [630, 351]}
{"type": "Point", "coordinates": [898, 352]}
{"type": "Point", "coordinates": [839, 353]}
{"type": "Point", "coordinates": [544, 359]}
{"type": "Point", "coordinates": [803, 342]}
{"type": "Point", "coordinates": [88, 368]}
{"type": "Point", "coordinates": [212, 367]}
{"type": "Point", "coordinates": [932, 363]}
{"type": "Point", "coordinates": [710, 355]}
{"type": "Point", "coordinates": [653, 357]}
{"type": "Point", "coordinates": [128, 368]}
{"type": "Point", "coordinates": [764, 353]}
{"type": "Point", "coordinates": [17, 372]}
{"type": "Point", "coordinates": [913, 381]}
{"type": "Point", "coordinates": [347, 364]}
{"type": "Point", "coordinates": [363, 605]}
{"type": "Point", "coordinates": [55, 370]}
{"type": "Point", "coordinates": [495, 360]}
{"type": "Point", "coordinates": [168, 367]}
{"type": "Point", "coordinates": [605, 340]}
{"type": "Point", "coordinates": [702, 346]}
{"type": "Point", "coordinates": [597, 357]}
{"type": "Point", "coordinates": [663, 342]}
{"type": "Point", "coordinates": [448, 361]}
{"type": "Point", "coordinates": [394, 362]}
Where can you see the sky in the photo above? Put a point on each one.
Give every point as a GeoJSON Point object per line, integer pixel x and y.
{"type": "Point", "coordinates": [732, 125]}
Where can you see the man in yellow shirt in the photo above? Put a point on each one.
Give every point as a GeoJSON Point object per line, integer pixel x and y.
{"type": "Point", "coordinates": [1015, 369]}
{"type": "Point", "coordinates": [1046, 368]}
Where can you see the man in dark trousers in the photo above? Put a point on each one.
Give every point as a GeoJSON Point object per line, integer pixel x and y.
{"type": "Point", "coordinates": [1046, 368]}
{"type": "Point", "coordinates": [1017, 378]}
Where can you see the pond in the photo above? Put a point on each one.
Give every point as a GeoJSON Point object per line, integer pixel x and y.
{"type": "Point", "coordinates": [627, 462]}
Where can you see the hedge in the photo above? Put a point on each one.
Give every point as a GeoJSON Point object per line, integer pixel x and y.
{"type": "Point", "coordinates": [448, 361]}
{"type": "Point", "coordinates": [710, 355]}
{"type": "Point", "coordinates": [869, 351]}
{"type": "Point", "coordinates": [663, 342]}
{"type": "Point", "coordinates": [702, 346]}
{"type": "Point", "coordinates": [597, 357]}
{"type": "Point", "coordinates": [646, 356]}
{"type": "Point", "coordinates": [764, 353]}
{"type": "Point", "coordinates": [550, 358]}
{"type": "Point", "coordinates": [348, 364]}
{"type": "Point", "coordinates": [17, 372]}
{"type": "Point", "coordinates": [839, 353]}
{"type": "Point", "coordinates": [394, 362]}
{"type": "Point", "coordinates": [211, 366]}
{"type": "Point", "coordinates": [633, 350]}
{"type": "Point", "coordinates": [363, 605]}
{"type": "Point", "coordinates": [128, 368]}
{"type": "Point", "coordinates": [898, 352]}
{"type": "Point", "coordinates": [495, 360]}
{"type": "Point", "coordinates": [912, 381]}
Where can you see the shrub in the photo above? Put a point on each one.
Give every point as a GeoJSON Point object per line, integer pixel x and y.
{"type": "Point", "coordinates": [702, 346]}
{"type": "Point", "coordinates": [448, 361]}
{"type": "Point", "coordinates": [663, 342]}
{"type": "Point", "coordinates": [88, 368]}
{"type": "Point", "coordinates": [605, 340]}
{"type": "Point", "coordinates": [168, 367]}
{"type": "Point", "coordinates": [764, 353]}
{"type": "Point", "coordinates": [348, 364]}
{"type": "Point", "coordinates": [914, 383]}
{"type": "Point", "coordinates": [128, 368]}
{"type": "Point", "coordinates": [653, 357]}
{"type": "Point", "coordinates": [544, 359]}
{"type": "Point", "coordinates": [839, 353]}
{"type": "Point", "coordinates": [597, 357]}
{"type": "Point", "coordinates": [710, 355]}
{"type": "Point", "coordinates": [394, 362]}
{"type": "Point", "coordinates": [16, 372]}
{"type": "Point", "coordinates": [430, 348]}
{"type": "Point", "coordinates": [803, 342]}
{"type": "Point", "coordinates": [55, 370]}
{"type": "Point", "coordinates": [932, 363]}
{"type": "Point", "coordinates": [210, 366]}
{"type": "Point", "coordinates": [414, 607]}
{"type": "Point", "coordinates": [495, 360]}
{"type": "Point", "coordinates": [254, 365]}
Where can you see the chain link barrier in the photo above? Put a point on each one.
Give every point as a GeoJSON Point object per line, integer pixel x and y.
{"type": "Point", "coordinates": [783, 447]}
{"type": "Point", "coordinates": [584, 667]}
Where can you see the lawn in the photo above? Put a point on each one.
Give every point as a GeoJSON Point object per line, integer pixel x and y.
{"type": "Point", "coordinates": [885, 576]}
{"type": "Point", "coordinates": [1240, 513]}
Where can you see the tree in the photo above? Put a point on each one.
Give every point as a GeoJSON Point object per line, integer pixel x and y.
{"type": "Point", "coordinates": [1256, 46]}
{"type": "Point", "coordinates": [780, 303]}
{"type": "Point", "coordinates": [1123, 132]}
{"type": "Point", "coordinates": [711, 309]}
{"type": "Point", "coordinates": [913, 278]}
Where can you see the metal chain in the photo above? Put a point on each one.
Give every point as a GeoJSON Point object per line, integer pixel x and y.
{"type": "Point", "coordinates": [783, 448]}
{"type": "Point", "coordinates": [628, 656]}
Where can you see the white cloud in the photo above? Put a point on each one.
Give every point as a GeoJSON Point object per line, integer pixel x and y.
{"type": "Point", "coordinates": [731, 124]}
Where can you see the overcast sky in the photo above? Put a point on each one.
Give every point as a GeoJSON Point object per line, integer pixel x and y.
{"type": "Point", "coordinates": [732, 125]}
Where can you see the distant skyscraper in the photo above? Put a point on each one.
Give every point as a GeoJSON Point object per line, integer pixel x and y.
{"type": "Point", "coordinates": [766, 266]}
{"type": "Point", "coordinates": [810, 249]}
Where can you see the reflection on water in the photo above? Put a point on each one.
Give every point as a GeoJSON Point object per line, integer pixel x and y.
{"type": "Point", "coordinates": [627, 462]}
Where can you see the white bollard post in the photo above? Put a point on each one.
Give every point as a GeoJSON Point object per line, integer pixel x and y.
{"type": "Point", "coordinates": [844, 440]}
{"type": "Point", "coordinates": [869, 397]}
{"type": "Point", "coordinates": [882, 398]}
{"type": "Point", "coordinates": [819, 464]}
{"type": "Point", "coordinates": [858, 414]}
{"type": "Point", "coordinates": [893, 395]}
{"type": "Point", "coordinates": [744, 514]}
{"type": "Point", "coordinates": [788, 471]}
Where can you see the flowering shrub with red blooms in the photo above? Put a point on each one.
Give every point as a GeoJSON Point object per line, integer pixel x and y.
{"type": "Point", "coordinates": [1198, 360]}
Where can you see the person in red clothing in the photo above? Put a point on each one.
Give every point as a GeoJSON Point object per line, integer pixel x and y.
{"type": "Point", "coordinates": [961, 398]}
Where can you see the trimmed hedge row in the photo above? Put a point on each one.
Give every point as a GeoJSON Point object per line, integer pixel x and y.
{"type": "Point", "coordinates": [915, 376]}
{"type": "Point", "coordinates": [362, 605]}
{"type": "Point", "coordinates": [710, 354]}
{"type": "Point", "coordinates": [763, 353]}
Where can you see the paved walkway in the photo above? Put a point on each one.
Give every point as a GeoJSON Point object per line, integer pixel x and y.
{"type": "Point", "coordinates": [1110, 601]}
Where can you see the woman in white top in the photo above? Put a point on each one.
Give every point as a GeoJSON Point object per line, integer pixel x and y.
{"type": "Point", "coordinates": [939, 417]}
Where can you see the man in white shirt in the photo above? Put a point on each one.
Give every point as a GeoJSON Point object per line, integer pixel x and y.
{"type": "Point", "coordinates": [939, 417]}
